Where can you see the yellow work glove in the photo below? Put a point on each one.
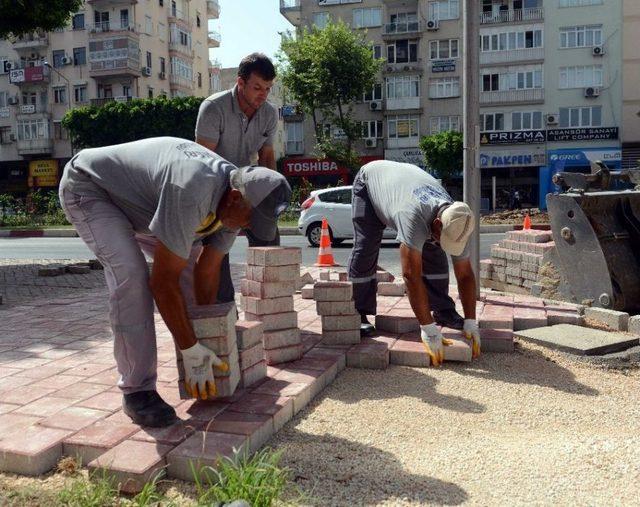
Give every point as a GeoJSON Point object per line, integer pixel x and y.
{"type": "Point", "coordinates": [434, 343]}
{"type": "Point", "coordinates": [198, 370]}
{"type": "Point", "coordinates": [471, 332]}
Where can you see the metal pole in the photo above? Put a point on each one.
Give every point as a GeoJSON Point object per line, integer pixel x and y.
{"type": "Point", "coordinates": [471, 116]}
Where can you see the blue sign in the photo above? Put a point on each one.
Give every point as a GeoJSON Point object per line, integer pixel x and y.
{"type": "Point", "coordinates": [582, 157]}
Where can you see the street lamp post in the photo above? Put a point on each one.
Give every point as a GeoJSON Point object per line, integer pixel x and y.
{"type": "Point", "coordinates": [68, 88]}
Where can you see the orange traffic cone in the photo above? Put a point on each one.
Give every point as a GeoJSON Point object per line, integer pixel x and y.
{"type": "Point", "coordinates": [526, 225]}
{"type": "Point", "coordinates": [325, 256]}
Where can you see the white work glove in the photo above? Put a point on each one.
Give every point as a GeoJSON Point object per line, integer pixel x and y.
{"type": "Point", "coordinates": [434, 342]}
{"type": "Point", "coordinates": [471, 332]}
{"type": "Point", "coordinates": [198, 370]}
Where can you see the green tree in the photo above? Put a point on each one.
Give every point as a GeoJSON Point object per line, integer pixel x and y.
{"type": "Point", "coordinates": [326, 71]}
{"type": "Point", "coordinates": [443, 153]}
{"type": "Point", "coordinates": [23, 16]}
{"type": "Point", "coordinates": [121, 122]}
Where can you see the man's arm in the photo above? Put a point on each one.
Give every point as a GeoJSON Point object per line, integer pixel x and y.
{"type": "Point", "coordinates": [411, 262]}
{"type": "Point", "coordinates": [165, 287]}
{"type": "Point", "coordinates": [206, 274]}
{"type": "Point", "coordinates": [267, 157]}
{"type": "Point", "coordinates": [206, 143]}
{"type": "Point", "coordinates": [466, 287]}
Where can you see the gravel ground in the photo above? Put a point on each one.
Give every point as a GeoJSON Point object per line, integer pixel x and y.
{"type": "Point", "coordinates": [530, 428]}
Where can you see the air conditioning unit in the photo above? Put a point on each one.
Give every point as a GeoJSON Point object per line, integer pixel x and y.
{"type": "Point", "coordinates": [66, 60]}
{"type": "Point", "coordinates": [146, 71]}
{"type": "Point", "coordinates": [597, 50]}
{"type": "Point", "coordinates": [591, 92]}
{"type": "Point", "coordinates": [371, 142]}
{"type": "Point", "coordinates": [14, 101]}
{"type": "Point", "coordinates": [375, 105]}
{"type": "Point", "coordinates": [433, 24]}
{"type": "Point", "coordinates": [552, 119]}
{"type": "Point", "coordinates": [162, 75]}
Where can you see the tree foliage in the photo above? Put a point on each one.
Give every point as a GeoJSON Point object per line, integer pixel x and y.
{"type": "Point", "coordinates": [18, 17]}
{"type": "Point", "coordinates": [443, 153]}
{"type": "Point", "coordinates": [121, 122]}
{"type": "Point", "coordinates": [326, 71]}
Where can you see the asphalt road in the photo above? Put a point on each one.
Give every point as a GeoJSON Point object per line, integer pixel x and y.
{"type": "Point", "coordinates": [74, 248]}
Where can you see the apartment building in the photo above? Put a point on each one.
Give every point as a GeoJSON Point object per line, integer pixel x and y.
{"type": "Point", "coordinates": [630, 88]}
{"type": "Point", "coordinates": [111, 50]}
{"type": "Point", "coordinates": [550, 95]}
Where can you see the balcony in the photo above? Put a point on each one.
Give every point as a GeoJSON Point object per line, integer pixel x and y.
{"type": "Point", "coordinates": [179, 17]}
{"type": "Point", "coordinates": [512, 16]}
{"type": "Point", "coordinates": [111, 3]}
{"type": "Point", "coordinates": [511, 56]}
{"type": "Point", "coordinates": [409, 28]}
{"type": "Point", "coordinates": [40, 146]}
{"type": "Point", "coordinates": [180, 82]}
{"type": "Point", "coordinates": [402, 103]}
{"type": "Point", "coordinates": [292, 10]}
{"type": "Point", "coordinates": [32, 41]}
{"type": "Point", "coordinates": [505, 97]}
{"type": "Point", "coordinates": [213, 39]}
{"type": "Point", "coordinates": [115, 67]}
{"type": "Point", "coordinates": [184, 51]}
{"type": "Point", "coordinates": [117, 55]}
{"type": "Point", "coordinates": [213, 9]}
{"type": "Point", "coordinates": [106, 100]}
{"type": "Point", "coordinates": [32, 112]}
{"type": "Point", "coordinates": [393, 68]}
{"type": "Point", "coordinates": [24, 75]}
{"type": "Point", "coordinates": [112, 28]}
{"type": "Point", "coordinates": [291, 113]}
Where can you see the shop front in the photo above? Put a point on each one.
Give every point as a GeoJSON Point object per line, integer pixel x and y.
{"type": "Point", "coordinates": [320, 172]}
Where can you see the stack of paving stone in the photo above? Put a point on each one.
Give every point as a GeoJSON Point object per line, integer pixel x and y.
{"type": "Point", "coordinates": [253, 366]}
{"type": "Point", "coordinates": [340, 321]}
{"type": "Point", "coordinates": [215, 328]}
{"type": "Point", "coordinates": [515, 262]}
{"type": "Point", "coordinates": [267, 296]}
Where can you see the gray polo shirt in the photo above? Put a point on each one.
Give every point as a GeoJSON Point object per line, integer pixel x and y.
{"type": "Point", "coordinates": [165, 186]}
{"type": "Point", "coordinates": [407, 199]}
{"type": "Point", "coordinates": [237, 138]}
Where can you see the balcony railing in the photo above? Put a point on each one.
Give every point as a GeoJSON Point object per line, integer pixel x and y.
{"type": "Point", "coordinates": [512, 55]}
{"type": "Point", "coordinates": [180, 81]}
{"type": "Point", "coordinates": [403, 67]}
{"type": "Point", "coordinates": [105, 100]}
{"type": "Point", "coordinates": [213, 39]}
{"type": "Point", "coordinates": [40, 146]}
{"type": "Point", "coordinates": [26, 75]}
{"type": "Point", "coordinates": [31, 41]}
{"type": "Point", "coordinates": [181, 48]}
{"type": "Point", "coordinates": [512, 16]}
{"type": "Point", "coordinates": [529, 96]}
{"type": "Point", "coordinates": [113, 26]}
{"type": "Point", "coordinates": [403, 28]}
{"type": "Point", "coordinates": [292, 10]}
{"type": "Point", "coordinates": [174, 15]}
{"type": "Point", "coordinates": [114, 67]}
{"type": "Point", "coordinates": [213, 9]}
{"type": "Point", "coordinates": [29, 109]}
{"type": "Point", "coordinates": [403, 103]}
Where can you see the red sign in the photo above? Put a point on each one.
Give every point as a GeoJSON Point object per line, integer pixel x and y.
{"type": "Point", "coordinates": [315, 167]}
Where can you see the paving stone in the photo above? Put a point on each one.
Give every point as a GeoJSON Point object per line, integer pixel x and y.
{"type": "Point", "coordinates": [307, 292]}
{"type": "Point", "coordinates": [74, 418]}
{"type": "Point", "coordinates": [332, 291]}
{"type": "Point", "coordinates": [528, 318]}
{"type": "Point", "coordinates": [202, 449]}
{"type": "Point", "coordinates": [275, 321]}
{"type": "Point", "coordinates": [288, 273]}
{"type": "Point", "coordinates": [496, 340]}
{"type": "Point", "coordinates": [281, 338]}
{"type": "Point", "coordinates": [199, 410]}
{"type": "Point", "coordinates": [397, 323]}
{"type": "Point", "coordinates": [260, 306]}
{"type": "Point", "coordinates": [345, 337]}
{"type": "Point", "coordinates": [107, 401]}
{"type": "Point", "coordinates": [384, 276]}
{"type": "Point", "coordinates": [267, 289]}
{"type": "Point", "coordinates": [13, 422]}
{"type": "Point", "coordinates": [496, 317]}
{"type": "Point", "coordinates": [52, 270]}
{"type": "Point", "coordinates": [169, 435]}
{"type": "Point", "coordinates": [280, 408]}
{"type": "Point", "coordinates": [391, 288]}
{"type": "Point", "coordinates": [248, 333]}
{"type": "Point", "coordinates": [273, 256]}
{"type": "Point", "coordinates": [91, 442]}
{"type": "Point", "coordinates": [306, 278]}
{"type": "Point", "coordinates": [258, 428]}
{"type": "Point", "coordinates": [335, 308]}
{"type": "Point", "coordinates": [618, 321]}
{"type": "Point", "coordinates": [300, 392]}
{"type": "Point", "coordinates": [251, 356]}
{"type": "Point", "coordinates": [325, 275]}
{"type": "Point", "coordinates": [409, 353]}
{"type": "Point", "coordinates": [44, 407]}
{"type": "Point", "coordinates": [579, 340]}
{"type": "Point", "coordinates": [76, 269]}
{"type": "Point", "coordinates": [252, 375]}
{"type": "Point", "coordinates": [210, 321]}
{"type": "Point", "coordinates": [283, 354]}
{"type": "Point", "coordinates": [368, 355]}
{"type": "Point", "coordinates": [325, 353]}
{"type": "Point", "coordinates": [564, 317]}
{"type": "Point", "coordinates": [26, 394]}
{"type": "Point", "coordinates": [460, 348]}
{"type": "Point", "coordinates": [634, 325]}
{"type": "Point", "coordinates": [131, 464]}
{"type": "Point", "coordinates": [32, 451]}
{"type": "Point", "coordinates": [340, 323]}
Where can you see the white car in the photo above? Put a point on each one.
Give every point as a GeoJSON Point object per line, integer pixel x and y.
{"type": "Point", "coordinates": [335, 205]}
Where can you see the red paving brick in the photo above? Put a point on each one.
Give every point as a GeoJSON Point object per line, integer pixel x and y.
{"type": "Point", "coordinates": [95, 440]}
{"type": "Point", "coordinates": [74, 418]}
{"type": "Point", "coordinates": [32, 451]}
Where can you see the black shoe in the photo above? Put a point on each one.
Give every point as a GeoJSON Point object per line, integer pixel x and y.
{"type": "Point", "coordinates": [449, 318]}
{"type": "Point", "coordinates": [148, 409]}
{"type": "Point", "coordinates": [366, 328]}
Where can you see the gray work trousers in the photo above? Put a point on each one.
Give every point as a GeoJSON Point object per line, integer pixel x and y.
{"type": "Point", "coordinates": [363, 260]}
{"type": "Point", "coordinates": [110, 236]}
{"type": "Point", "coordinates": [226, 292]}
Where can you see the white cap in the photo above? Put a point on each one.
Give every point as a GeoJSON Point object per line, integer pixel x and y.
{"type": "Point", "coordinates": [457, 225]}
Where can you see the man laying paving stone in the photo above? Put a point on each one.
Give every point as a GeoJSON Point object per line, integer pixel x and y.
{"type": "Point", "coordinates": [179, 193]}
{"type": "Point", "coordinates": [430, 226]}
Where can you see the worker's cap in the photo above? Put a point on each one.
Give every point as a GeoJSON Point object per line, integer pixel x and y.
{"type": "Point", "coordinates": [457, 225]}
{"type": "Point", "coordinates": [268, 194]}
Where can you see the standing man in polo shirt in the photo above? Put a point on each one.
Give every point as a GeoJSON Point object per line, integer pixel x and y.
{"type": "Point", "coordinates": [239, 124]}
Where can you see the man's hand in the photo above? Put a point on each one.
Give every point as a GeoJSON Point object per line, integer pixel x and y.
{"type": "Point", "coordinates": [471, 332]}
{"type": "Point", "coordinates": [434, 343]}
{"type": "Point", "coordinates": [198, 369]}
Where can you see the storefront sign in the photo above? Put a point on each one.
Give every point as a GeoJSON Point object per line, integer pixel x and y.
{"type": "Point", "coordinates": [584, 134]}
{"type": "Point", "coordinates": [43, 173]}
{"type": "Point", "coordinates": [443, 66]}
{"type": "Point", "coordinates": [27, 75]}
{"type": "Point", "coordinates": [513, 137]}
{"type": "Point", "coordinates": [313, 167]}
{"type": "Point", "coordinates": [406, 155]}
{"type": "Point", "coordinates": [513, 158]}
{"type": "Point", "coordinates": [569, 158]}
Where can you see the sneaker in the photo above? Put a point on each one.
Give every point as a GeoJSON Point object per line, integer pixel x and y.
{"type": "Point", "coordinates": [448, 318]}
{"type": "Point", "coordinates": [147, 408]}
{"type": "Point", "coordinates": [366, 328]}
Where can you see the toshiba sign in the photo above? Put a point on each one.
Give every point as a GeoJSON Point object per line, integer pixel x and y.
{"type": "Point", "coordinates": [315, 167]}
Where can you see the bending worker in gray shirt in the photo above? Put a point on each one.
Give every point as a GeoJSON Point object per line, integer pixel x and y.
{"type": "Point", "coordinates": [239, 124]}
{"type": "Point", "coordinates": [121, 197]}
{"type": "Point", "coordinates": [429, 223]}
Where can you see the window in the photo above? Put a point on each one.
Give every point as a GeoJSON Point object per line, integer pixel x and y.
{"type": "Point", "coordinates": [150, 92]}
{"type": "Point", "coordinates": [149, 59]}
{"type": "Point", "coordinates": [58, 55]}
{"type": "Point", "coordinates": [80, 56]}
{"type": "Point", "coordinates": [576, 117]}
{"type": "Point", "coordinates": [80, 94]}
{"type": "Point", "coordinates": [4, 97]}
{"type": "Point", "coordinates": [321, 19]}
{"type": "Point", "coordinates": [400, 87]}
{"type": "Point", "coordinates": [443, 49]}
{"type": "Point", "coordinates": [199, 80]}
{"type": "Point", "coordinates": [402, 51]}
{"type": "Point", "coordinates": [77, 22]}
{"type": "Point", "coordinates": [580, 36]}
{"type": "Point", "coordinates": [508, 41]}
{"type": "Point", "coordinates": [60, 95]}
{"type": "Point", "coordinates": [198, 22]}
{"type": "Point", "coordinates": [184, 38]}
{"type": "Point", "coordinates": [526, 120]}
{"type": "Point", "coordinates": [5, 135]}
{"type": "Point", "coordinates": [363, 18]}
{"type": "Point", "coordinates": [491, 122]}
{"type": "Point", "coordinates": [161, 3]}
{"type": "Point", "coordinates": [162, 31]}
{"type": "Point", "coordinates": [294, 142]}
{"type": "Point", "coordinates": [444, 9]}
{"type": "Point", "coordinates": [518, 79]}
{"type": "Point", "coordinates": [377, 51]}
{"type": "Point", "coordinates": [181, 68]}
{"type": "Point", "coordinates": [148, 25]}
{"type": "Point", "coordinates": [374, 94]}
{"type": "Point", "coordinates": [126, 90]}
{"type": "Point", "coordinates": [581, 76]}
{"type": "Point", "coordinates": [32, 129]}
{"type": "Point", "coordinates": [336, 196]}
{"type": "Point", "coordinates": [163, 66]}
{"type": "Point", "coordinates": [372, 128]}
{"type": "Point", "coordinates": [579, 3]}
{"type": "Point", "coordinates": [59, 132]}
{"type": "Point", "coordinates": [29, 98]}
{"type": "Point", "coordinates": [444, 124]}
{"type": "Point", "coordinates": [403, 126]}
{"type": "Point", "coordinates": [444, 87]}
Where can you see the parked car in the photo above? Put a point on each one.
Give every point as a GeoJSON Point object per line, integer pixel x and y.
{"type": "Point", "coordinates": [335, 205]}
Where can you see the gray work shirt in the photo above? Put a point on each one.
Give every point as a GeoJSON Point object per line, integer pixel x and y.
{"type": "Point", "coordinates": [165, 186]}
{"type": "Point", "coordinates": [407, 199]}
{"type": "Point", "coordinates": [237, 138]}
